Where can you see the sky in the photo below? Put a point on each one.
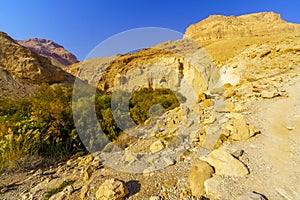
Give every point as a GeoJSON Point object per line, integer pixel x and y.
{"type": "Point", "coordinates": [81, 25]}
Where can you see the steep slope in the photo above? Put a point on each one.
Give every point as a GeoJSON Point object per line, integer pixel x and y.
{"type": "Point", "coordinates": [225, 36]}
{"type": "Point", "coordinates": [57, 54]}
{"type": "Point", "coordinates": [21, 69]}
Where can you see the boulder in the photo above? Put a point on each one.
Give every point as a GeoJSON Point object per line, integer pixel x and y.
{"type": "Point", "coordinates": [200, 172]}
{"type": "Point", "coordinates": [112, 189]}
{"type": "Point", "coordinates": [225, 164]}
{"type": "Point", "coordinates": [83, 192]}
{"type": "Point", "coordinates": [238, 127]}
{"type": "Point", "coordinates": [157, 146]}
{"type": "Point", "coordinates": [212, 185]}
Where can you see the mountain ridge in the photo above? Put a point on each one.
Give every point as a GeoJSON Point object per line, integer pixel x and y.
{"type": "Point", "coordinates": [57, 54]}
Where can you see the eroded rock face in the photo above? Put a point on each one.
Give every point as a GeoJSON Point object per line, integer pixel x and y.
{"type": "Point", "coordinates": [217, 27]}
{"type": "Point", "coordinates": [226, 36]}
{"type": "Point", "coordinates": [182, 66]}
{"type": "Point", "coordinates": [21, 69]}
{"type": "Point", "coordinates": [57, 54]}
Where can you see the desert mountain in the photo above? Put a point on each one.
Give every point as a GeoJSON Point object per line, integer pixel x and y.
{"type": "Point", "coordinates": [57, 54]}
{"type": "Point", "coordinates": [225, 36]}
{"type": "Point", "coordinates": [21, 69]}
{"type": "Point", "coordinates": [239, 140]}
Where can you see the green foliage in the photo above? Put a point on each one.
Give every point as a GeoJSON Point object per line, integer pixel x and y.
{"type": "Point", "coordinates": [142, 100]}
{"type": "Point", "coordinates": [60, 188]}
{"type": "Point", "coordinates": [43, 124]}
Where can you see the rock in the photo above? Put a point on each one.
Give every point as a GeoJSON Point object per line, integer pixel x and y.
{"type": "Point", "coordinates": [233, 107]}
{"type": "Point", "coordinates": [64, 194]}
{"type": "Point", "coordinates": [252, 196]}
{"type": "Point", "coordinates": [154, 198]}
{"type": "Point", "coordinates": [200, 172]}
{"type": "Point", "coordinates": [157, 146]}
{"type": "Point", "coordinates": [129, 156]}
{"type": "Point", "coordinates": [237, 153]}
{"type": "Point", "coordinates": [290, 128]}
{"type": "Point", "coordinates": [269, 94]}
{"type": "Point", "coordinates": [225, 164]}
{"type": "Point", "coordinates": [38, 172]}
{"type": "Point", "coordinates": [83, 192]}
{"type": "Point", "coordinates": [212, 185]}
{"type": "Point", "coordinates": [85, 161]}
{"type": "Point", "coordinates": [239, 129]}
{"type": "Point", "coordinates": [169, 161]}
{"type": "Point", "coordinates": [112, 189]}
{"type": "Point", "coordinates": [207, 103]}
{"type": "Point", "coordinates": [87, 173]}
{"type": "Point", "coordinates": [229, 92]}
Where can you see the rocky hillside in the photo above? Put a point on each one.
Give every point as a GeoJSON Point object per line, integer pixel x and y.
{"type": "Point", "coordinates": [21, 69]}
{"type": "Point", "coordinates": [57, 54]}
{"type": "Point", "coordinates": [238, 139]}
{"type": "Point", "coordinates": [225, 36]}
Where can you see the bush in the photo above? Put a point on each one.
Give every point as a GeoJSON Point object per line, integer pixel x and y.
{"type": "Point", "coordinates": [43, 124]}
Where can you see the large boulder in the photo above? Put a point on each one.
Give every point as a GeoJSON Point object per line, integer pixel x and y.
{"type": "Point", "coordinates": [225, 164]}
{"type": "Point", "coordinates": [200, 172]}
{"type": "Point", "coordinates": [112, 189]}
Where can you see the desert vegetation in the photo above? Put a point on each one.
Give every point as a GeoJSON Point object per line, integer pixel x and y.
{"type": "Point", "coordinates": [43, 124]}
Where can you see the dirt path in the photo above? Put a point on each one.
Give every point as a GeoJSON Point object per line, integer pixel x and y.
{"type": "Point", "coordinates": [273, 157]}
{"type": "Point", "coordinates": [282, 142]}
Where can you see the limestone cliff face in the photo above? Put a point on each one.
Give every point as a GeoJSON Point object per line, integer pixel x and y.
{"type": "Point", "coordinates": [246, 47]}
{"type": "Point", "coordinates": [57, 54]}
{"type": "Point", "coordinates": [218, 27]}
{"type": "Point", "coordinates": [21, 70]}
{"type": "Point", "coordinates": [178, 65]}
{"type": "Point", "coordinates": [226, 36]}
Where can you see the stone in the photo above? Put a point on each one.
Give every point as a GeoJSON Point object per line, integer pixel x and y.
{"type": "Point", "coordinates": [83, 192]}
{"type": "Point", "coordinates": [239, 129]}
{"type": "Point", "coordinates": [154, 198]}
{"type": "Point", "coordinates": [200, 172]}
{"type": "Point", "coordinates": [169, 161]}
{"type": "Point", "coordinates": [65, 194]}
{"type": "Point", "coordinates": [225, 164]}
{"type": "Point", "coordinates": [212, 185]}
{"type": "Point", "coordinates": [290, 128]}
{"type": "Point", "coordinates": [238, 153]}
{"type": "Point", "coordinates": [268, 94]}
{"type": "Point", "coordinates": [87, 173]}
{"type": "Point", "coordinates": [252, 196]}
{"type": "Point", "coordinates": [112, 189]}
{"type": "Point", "coordinates": [157, 146]}
{"type": "Point", "coordinates": [207, 103]}
{"type": "Point", "coordinates": [85, 161]}
{"type": "Point", "coordinates": [129, 156]}
{"type": "Point", "coordinates": [229, 92]}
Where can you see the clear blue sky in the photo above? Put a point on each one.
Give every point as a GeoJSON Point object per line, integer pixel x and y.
{"type": "Point", "coordinates": [80, 25]}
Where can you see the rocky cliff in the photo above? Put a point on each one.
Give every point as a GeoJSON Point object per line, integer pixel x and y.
{"type": "Point", "coordinates": [57, 54]}
{"type": "Point", "coordinates": [239, 141]}
{"type": "Point", "coordinates": [21, 69]}
{"type": "Point", "coordinates": [225, 36]}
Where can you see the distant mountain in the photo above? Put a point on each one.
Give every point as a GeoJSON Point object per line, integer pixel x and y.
{"type": "Point", "coordinates": [22, 70]}
{"type": "Point", "coordinates": [57, 54]}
